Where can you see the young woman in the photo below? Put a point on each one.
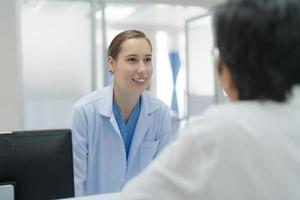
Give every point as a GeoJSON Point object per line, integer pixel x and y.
{"type": "Point", "coordinates": [119, 129]}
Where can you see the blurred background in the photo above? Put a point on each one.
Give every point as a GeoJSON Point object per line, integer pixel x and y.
{"type": "Point", "coordinates": [52, 52]}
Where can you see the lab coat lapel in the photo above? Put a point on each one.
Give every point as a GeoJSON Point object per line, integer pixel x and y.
{"type": "Point", "coordinates": [114, 124]}
{"type": "Point", "coordinates": [141, 128]}
{"type": "Point", "coordinates": [149, 105]}
{"type": "Point", "coordinates": [106, 108]}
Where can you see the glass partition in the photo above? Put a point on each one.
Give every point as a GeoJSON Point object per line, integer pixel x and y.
{"type": "Point", "coordinates": [56, 60]}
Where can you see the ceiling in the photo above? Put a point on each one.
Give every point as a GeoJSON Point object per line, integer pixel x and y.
{"type": "Point", "coordinates": [171, 13]}
{"type": "Point", "coordinates": [204, 3]}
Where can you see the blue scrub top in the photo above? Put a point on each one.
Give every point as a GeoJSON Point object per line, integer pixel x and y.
{"type": "Point", "coordinates": [127, 130]}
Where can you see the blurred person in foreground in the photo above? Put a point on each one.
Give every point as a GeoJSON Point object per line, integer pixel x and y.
{"type": "Point", "coordinates": [248, 148]}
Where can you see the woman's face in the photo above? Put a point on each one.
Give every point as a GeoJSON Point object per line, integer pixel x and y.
{"type": "Point", "coordinates": [132, 68]}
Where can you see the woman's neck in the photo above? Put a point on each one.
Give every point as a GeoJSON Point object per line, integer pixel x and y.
{"type": "Point", "coordinates": [125, 103]}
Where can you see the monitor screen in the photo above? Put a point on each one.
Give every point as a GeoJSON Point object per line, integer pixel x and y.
{"type": "Point", "coordinates": [39, 164]}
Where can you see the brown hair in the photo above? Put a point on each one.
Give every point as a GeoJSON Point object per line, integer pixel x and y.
{"type": "Point", "coordinates": [115, 45]}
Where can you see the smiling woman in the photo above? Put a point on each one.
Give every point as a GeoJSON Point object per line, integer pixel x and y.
{"type": "Point", "coordinates": [119, 129]}
{"type": "Point", "coordinates": [132, 69]}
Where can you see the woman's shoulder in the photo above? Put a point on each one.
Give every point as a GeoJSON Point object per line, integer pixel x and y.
{"type": "Point", "coordinates": [92, 98]}
{"type": "Point", "coordinates": [153, 102]}
{"type": "Point", "coordinates": [232, 110]}
{"type": "Point", "coordinates": [229, 120]}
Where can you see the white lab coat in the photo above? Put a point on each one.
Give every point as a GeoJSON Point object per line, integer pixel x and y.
{"type": "Point", "coordinates": [246, 150]}
{"type": "Point", "coordinates": [100, 164]}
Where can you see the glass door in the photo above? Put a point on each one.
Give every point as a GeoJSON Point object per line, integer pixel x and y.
{"type": "Point", "coordinates": [202, 87]}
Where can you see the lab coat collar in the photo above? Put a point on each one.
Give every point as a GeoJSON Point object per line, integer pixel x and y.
{"type": "Point", "coordinates": [148, 105]}
{"type": "Point", "coordinates": [105, 108]}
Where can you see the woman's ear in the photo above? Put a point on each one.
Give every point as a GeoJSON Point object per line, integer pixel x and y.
{"type": "Point", "coordinates": [110, 62]}
{"type": "Point", "coordinates": [227, 82]}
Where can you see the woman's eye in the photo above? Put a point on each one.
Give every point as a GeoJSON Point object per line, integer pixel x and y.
{"type": "Point", "coordinates": [148, 59]}
{"type": "Point", "coordinates": [131, 59]}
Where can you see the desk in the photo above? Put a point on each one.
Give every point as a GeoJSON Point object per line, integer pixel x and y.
{"type": "Point", "coordinates": [110, 196]}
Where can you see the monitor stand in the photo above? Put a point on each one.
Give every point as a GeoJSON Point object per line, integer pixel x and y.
{"type": "Point", "coordinates": [7, 192]}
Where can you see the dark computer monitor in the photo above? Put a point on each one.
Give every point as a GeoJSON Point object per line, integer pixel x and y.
{"type": "Point", "coordinates": [38, 163]}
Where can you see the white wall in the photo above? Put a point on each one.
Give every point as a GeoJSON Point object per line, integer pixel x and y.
{"type": "Point", "coordinates": [10, 66]}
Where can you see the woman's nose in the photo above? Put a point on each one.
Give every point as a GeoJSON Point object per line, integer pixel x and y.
{"type": "Point", "coordinates": [142, 67]}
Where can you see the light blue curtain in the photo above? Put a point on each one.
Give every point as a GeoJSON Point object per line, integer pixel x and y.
{"type": "Point", "coordinates": [175, 65]}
